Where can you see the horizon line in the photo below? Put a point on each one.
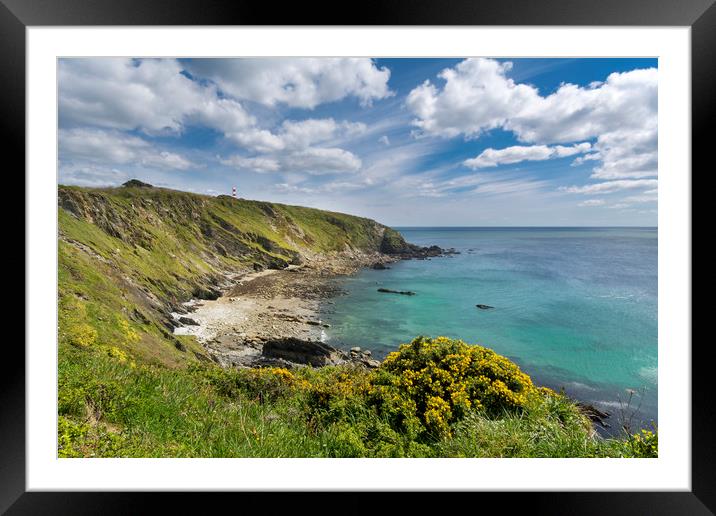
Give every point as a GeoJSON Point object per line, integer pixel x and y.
{"type": "Point", "coordinates": [521, 227]}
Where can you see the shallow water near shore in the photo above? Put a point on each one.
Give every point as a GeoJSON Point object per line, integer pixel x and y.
{"type": "Point", "coordinates": [576, 308]}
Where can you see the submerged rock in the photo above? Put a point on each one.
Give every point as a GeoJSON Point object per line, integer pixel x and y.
{"type": "Point", "coordinates": [378, 266]}
{"type": "Point", "coordinates": [402, 292]}
{"type": "Point", "coordinates": [484, 307]}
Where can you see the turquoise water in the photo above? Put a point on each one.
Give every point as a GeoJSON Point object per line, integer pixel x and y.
{"type": "Point", "coordinates": [576, 308]}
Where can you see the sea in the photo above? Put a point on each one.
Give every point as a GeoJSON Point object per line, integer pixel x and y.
{"type": "Point", "coordinates": [575, 308]}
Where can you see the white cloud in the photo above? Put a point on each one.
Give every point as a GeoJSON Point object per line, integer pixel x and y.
{"type": "Point", "coordinates": [322, 161]}
{"type": "Point", "coordinates": [295, 147]}
{"type": "Point", "coordinates": [561, 151]}
{"type": "Point", "coordinates": [592, 202]}
{"type": "Point", "coordinates": [113, 147]}
{"type": "Point", "coordinates": [627, 154]}
{"type": "Point", "coordinates": [611, 186]}
{"type": "Point", "coordinates": [295, 135]}
{"type": "Point", "coordinates": [151, 95]}
{"type": "Point", "coordinates": [296, 82]}
{"type": "Point", "coordinates": [647, 196]}
{"type": "Point", "coordinates": [255, 164]}
{"type": "Point", "coordinates": [517, 153]}
{"type": "Point", "coordinates": [384, 140]}
{"type": "Point", "coordinates": [620, 113]}
{"type": "Point", "coordinates": [91, 175]}
{"type": "Point", "coordinates": [312, 160]}
{"type": "Point", "coordinates": [258, 140]}
{"type": "Point", "coordinates": [477, 96]}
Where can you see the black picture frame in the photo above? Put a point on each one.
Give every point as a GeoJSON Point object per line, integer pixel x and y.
{"type": "Point", "coordinates": [17, 15]}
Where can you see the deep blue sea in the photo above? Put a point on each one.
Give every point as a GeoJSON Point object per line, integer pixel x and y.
{"type": "Point", "coordinates": [576, 308]}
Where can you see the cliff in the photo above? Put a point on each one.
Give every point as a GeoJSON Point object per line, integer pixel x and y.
{"type": "Point", "coordinates": [129, 256]}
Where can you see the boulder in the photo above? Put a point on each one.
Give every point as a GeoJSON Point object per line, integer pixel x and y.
{"type": "Point", "coordinates": [299, 351]}
{"type": "Point", "coordinates": [188, 321]}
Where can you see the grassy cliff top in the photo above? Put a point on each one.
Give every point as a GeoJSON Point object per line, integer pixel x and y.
{"type": "Point", "coordinates": [129, 255]}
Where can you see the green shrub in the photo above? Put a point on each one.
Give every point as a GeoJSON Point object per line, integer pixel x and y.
{"type": "Point", "coordinates": [70, 436]}
{"type": "Point", "coordinates": [644, 444]}
{"type": "Point", "coordinates": [81, 335]}
{"type": "Point", "coordinates": [429, 384]}
{"type": "Point", "coordinates": [266, 384]}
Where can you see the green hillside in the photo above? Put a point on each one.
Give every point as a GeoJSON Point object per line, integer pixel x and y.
{"type": "Point", "coordinates": [129, 387]}
{"type": "Point", "coordinates": [129, 255]}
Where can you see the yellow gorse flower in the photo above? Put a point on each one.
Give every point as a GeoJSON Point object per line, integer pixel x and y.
{"type": "Point", "coordinates": [432, 383]}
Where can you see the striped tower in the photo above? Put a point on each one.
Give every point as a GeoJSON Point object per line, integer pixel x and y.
{"type": "Point", "coordinates": [233, 192]}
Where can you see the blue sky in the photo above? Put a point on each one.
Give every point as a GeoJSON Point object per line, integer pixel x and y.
{"type": "Point", "coordinates": [408, 142]}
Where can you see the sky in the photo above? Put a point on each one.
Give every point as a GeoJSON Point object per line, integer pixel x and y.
{"type": "Point", "coordinates": [408, 142]}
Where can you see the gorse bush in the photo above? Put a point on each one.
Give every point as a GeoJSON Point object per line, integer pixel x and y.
{"type": "Point", "coordinates": [644, 444]}
{"type": "Point", "coordinates": [431, 398]}
{"type": "Point", "coordinates": [429, 384]}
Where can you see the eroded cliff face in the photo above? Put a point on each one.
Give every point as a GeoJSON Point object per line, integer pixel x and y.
{"type": "Point", "coordinates": [137, 253]}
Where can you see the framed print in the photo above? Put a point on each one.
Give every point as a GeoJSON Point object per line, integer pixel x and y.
{"type": "Point", "coordinates": [432, 250]}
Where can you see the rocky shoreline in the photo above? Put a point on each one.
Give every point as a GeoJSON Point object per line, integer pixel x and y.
{"type": "Point", "coordinates": [271, 317]}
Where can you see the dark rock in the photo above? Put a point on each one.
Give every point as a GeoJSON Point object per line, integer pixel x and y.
{"type": "Point", "coordinates": [379, 266]}
{"type": "Point", "coordinates": [188, 321]}
{"type": "Point", "coordinates": [258, 267]}
{"type": "Point", "coordinates": [181, 347]}
{"type": "Point", "coordinates": [180, 309]}
{"type": "Point", "coordinates": [594, 414]}
{"type": "Point", "coordinates": [206, 294]}
{"type": "Point", "coordinates": [169, 323]}
{"type": "Point", "coordinates": [200, 357]}
{"type": "Point", "coordinates": [139, 316]}
{"type": "Point", "coordinates": [403, 292]}
{"type": "Point", "coordinates": [136, 183]}
{"type": "Point", "coordinates": [484, 307]}
{"type": "Point", "coordinates": [299, 351]}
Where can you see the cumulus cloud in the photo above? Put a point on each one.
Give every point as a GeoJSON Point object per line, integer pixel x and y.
{"type": "Point", "coordinates": [295, 135]}
{"type": "Point", "coordinates": [255, 164]}
{"type": "Point", "coordinates": [296, 82]}
{"type": "Point", "coordinates": [152, 95]}
{"type": "Point", "coordinates": [323, 161]}
{"type": "Point", "coordinates": [299, 146]}
{"type": "Point", "coordinates": [620, 114]}
{"type": "Point", "coordinates": [517, 153]}
{"type": "Point", "coordinates": [99, 146]}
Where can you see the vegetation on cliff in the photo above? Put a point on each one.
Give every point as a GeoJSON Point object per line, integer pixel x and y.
{"type": "Point", "coordinates": [129, 387]}
{"type": "Point", "coordinates": [112, 407]}
{"type": "Point", "coordinates": [128, 256]}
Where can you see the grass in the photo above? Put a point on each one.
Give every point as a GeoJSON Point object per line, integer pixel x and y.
{"type": "Point", "coordinates": [128, 387]}
{"type": "Point", "coordinates": [112, 407]}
